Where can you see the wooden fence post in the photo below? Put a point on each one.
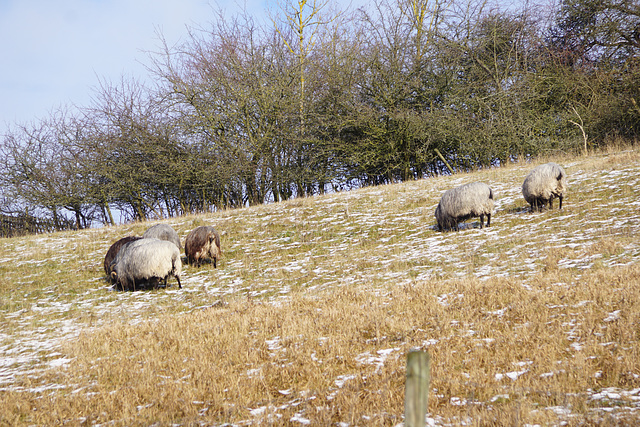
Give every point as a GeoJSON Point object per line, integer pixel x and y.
{"type": "Point", "coordinates": [416, 388]}
{"type": "Point", "coordinates": [444, 160]}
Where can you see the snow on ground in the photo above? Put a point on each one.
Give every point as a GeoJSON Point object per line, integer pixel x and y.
{"type": "Point", "coordinates": [387, 233]}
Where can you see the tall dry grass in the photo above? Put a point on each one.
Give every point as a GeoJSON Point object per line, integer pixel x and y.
{"type": "Point", "coordinates": [317, 302]}
{"type": "Point", "coordinates": [339, 357]}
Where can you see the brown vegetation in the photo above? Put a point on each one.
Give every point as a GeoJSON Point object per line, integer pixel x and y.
{"type": "Point", "coordinates": [317, 301]}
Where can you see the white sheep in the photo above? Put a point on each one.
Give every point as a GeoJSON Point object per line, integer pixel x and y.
{"type": "Point", "coordinates": [113, 252]}
{"type": "Point", "coordinates": [464, 202]}
{"type": "Point", "coordinates": [146, 261]}
{"type": "Point", "coordinates": [543, 184]}
{"type": "Point", "coordinates": [163, 232]}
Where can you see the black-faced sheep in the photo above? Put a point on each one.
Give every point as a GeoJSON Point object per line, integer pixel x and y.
{"type": "Point", "coordinates": [163, 232]}
{"type": "Point", "coordinates": [462, 203]}
{"type": "Point", "coordinates": [113, 252]}
{"type": "Point", "coordinates": [202, 243]}
{"type": "Point", "coordinates": [146, 261]}
{"type": "Point", "coordinates": [543, 184]}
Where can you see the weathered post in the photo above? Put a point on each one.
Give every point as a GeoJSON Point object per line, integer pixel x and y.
{"type": "Point", "coordinates": [416, 388]}
{"type": "Point", "coordinates": [444, 160]}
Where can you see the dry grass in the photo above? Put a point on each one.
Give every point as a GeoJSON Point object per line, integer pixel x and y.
{"type": "Point", "coordinates": [311, 313]}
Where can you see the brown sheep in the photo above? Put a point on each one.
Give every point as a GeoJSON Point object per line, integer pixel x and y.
{"type": "Point", "coordinates": [202, 243]}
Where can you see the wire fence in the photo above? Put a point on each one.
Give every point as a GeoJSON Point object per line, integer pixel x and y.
{"type": "Point", "coordinates": [20, 225]}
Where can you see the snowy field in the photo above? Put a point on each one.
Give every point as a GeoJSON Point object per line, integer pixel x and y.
{"type": "Point", "coordinates": [373, 237]}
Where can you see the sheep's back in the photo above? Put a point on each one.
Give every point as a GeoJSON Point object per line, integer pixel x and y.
{"type": "Point", "coordinates": [163, 232]}
{"type": "Point", "coordinates": [148, 258]}
{"type": "Point", "coordinates": [470, 199]}
{"type": "Point", "coordinates": [544, 181]}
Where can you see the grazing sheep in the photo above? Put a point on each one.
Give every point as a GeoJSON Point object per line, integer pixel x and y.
{"type": "Point", "coordinates": [461, 203]}
{"type": "Point", "coordinates": [146, 261]}
{"type": "Point", "coordinates": [113, 252]}
{"type": "Point", "coordinates": [163, 232]}
{"type": "Point", "coordinates": [202, 243]}
{"type": "Point", "coordinates": [543, 184]}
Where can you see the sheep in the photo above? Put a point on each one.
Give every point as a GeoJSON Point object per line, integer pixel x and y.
{"type": "Point", "coordinates": [202, 243]}
{"type": "Point", "coordinates": [543, 184]}
{"type": "Point", "coordinates": [147, 260]}
{"type": "Point", "coordinates": [163, 232]}
{"type": "Point", "coordinates": [113, 252]}
{"type": "Point", "coordinates": [461, 203]}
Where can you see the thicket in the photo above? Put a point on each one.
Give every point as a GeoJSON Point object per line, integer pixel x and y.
{"type": "Point", "coordinates": [321, 99]}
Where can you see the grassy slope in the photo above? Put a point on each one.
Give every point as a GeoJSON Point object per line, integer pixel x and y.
{"type": "Point", "coordinates": [316, 302]}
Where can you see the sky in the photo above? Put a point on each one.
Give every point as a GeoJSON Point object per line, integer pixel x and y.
{"type": "Point", "coordinates": [54, 53]}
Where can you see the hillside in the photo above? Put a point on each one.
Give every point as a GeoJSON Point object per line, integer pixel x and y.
{"type": "Point", "coordinates": [310, 313]}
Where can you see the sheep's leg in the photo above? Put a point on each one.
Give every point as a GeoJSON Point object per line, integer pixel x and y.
{"type": "Point", "coordinates": [481, 221]}
{"type": "Point", "coordinates": [214, 262]}
{"type": "Point", "coordinates": [560, 199]}
{"type": "Point", "coordinates": [551, 204]}
{"type": "Point", "coordinates": [488, 219]}
{"type": "Point", "coordinates": [178, 279]}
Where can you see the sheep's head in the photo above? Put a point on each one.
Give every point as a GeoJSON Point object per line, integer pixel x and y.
{"type": "Point", "coordinates": [214, 249]}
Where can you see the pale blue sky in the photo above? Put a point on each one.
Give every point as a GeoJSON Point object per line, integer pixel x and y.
{"type": "Point", "coordinates": [53, 52]}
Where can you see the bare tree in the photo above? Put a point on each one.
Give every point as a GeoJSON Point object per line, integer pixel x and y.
{"type": "Point", "coordinates": [45, 169]}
